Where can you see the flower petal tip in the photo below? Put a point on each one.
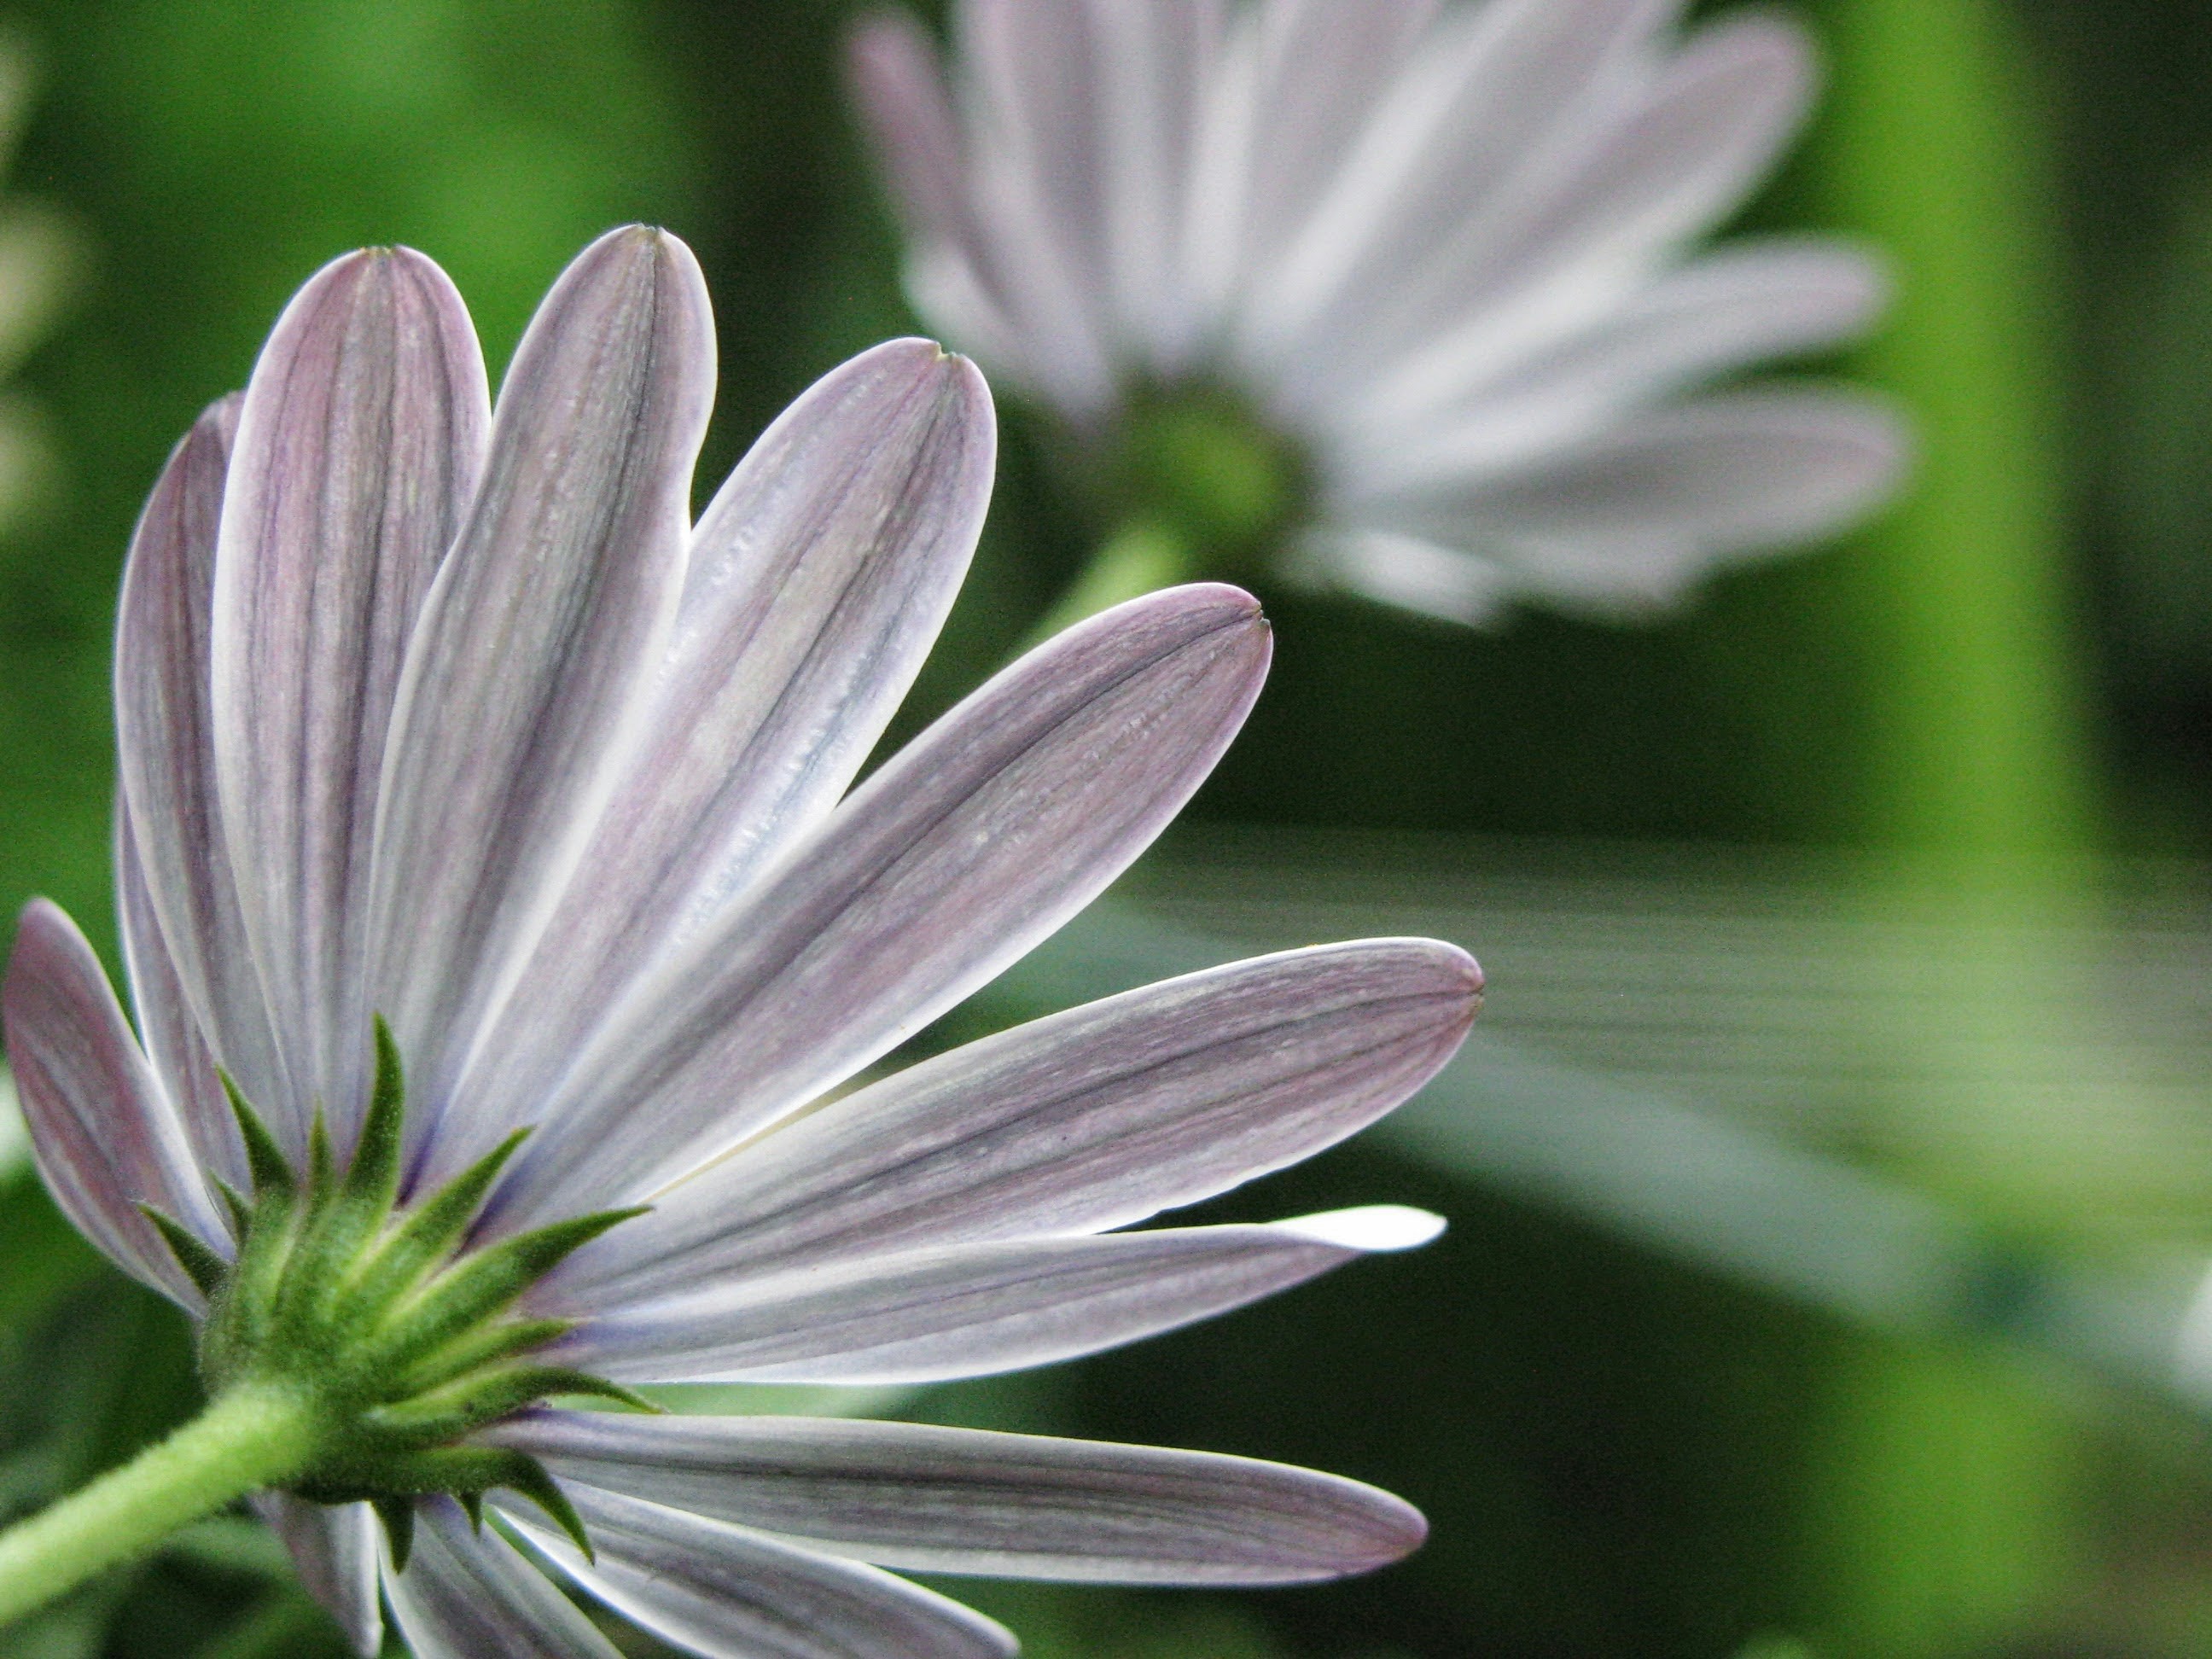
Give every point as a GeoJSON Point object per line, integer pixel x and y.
{"type": "Point", "coordinates": [1372, 1229]}
{"type": "Point", "coordinates": [1403, 1529]}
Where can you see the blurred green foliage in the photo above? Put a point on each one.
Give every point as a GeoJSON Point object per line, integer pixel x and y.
{"type": "Point", "coordinates": [1620, 1456]}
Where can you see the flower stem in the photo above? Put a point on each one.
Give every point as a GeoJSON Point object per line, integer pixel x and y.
{"type": "Point", "coordinates": [1140, 557]}
{"type": "Point", "coordinates": [251, 1436]}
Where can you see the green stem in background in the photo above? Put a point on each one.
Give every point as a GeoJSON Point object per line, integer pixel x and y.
{"type": "Point", "coordinates": [1937, 1518]}
{"type": "Point", "coordinates": [1140, 557]}
{"type": "Point", "coordinates": [251, 1437]}
{"type": "Point", "coordinates": [1937, 149]}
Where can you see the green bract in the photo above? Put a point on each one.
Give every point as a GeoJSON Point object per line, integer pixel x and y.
{"type": "Point", "coordinates": [383, 1319]}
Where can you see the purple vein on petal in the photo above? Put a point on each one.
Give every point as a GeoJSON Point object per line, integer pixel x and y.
{"type": "Point", "coordinates": [817, 582]}
{"type": "Point", "coordinates": [165, 748]}
{"type": "Point", "coordinates": [521, 688]}
{"type": "Point", "coordinates": [959, 1310]}
{"type": "Point", "coordinates": [103, 1132]}
{"type": "Point", "coordinates": [358, 446]}
{"type": "Point", "coordinates": [926, 1499]}
{"type": "Point", "coordinates": [1097, 1117]}
{"type": "Point", "coordinates": [168, 1029]}
{"type": "Point", "coordinates": [961, 853]}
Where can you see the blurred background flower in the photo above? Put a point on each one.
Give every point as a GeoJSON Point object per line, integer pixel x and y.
{"type": "Point", "coordinates": [1426, 265]}
{"type": "Point", "coordinates": [1829, 1195]}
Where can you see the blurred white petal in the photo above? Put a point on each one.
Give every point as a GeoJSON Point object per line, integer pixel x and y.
{"type": "Point", "coordinates": [1431, 243]}
{"type": "Point", "coordinates": [1451, 419]}
{"type": "Point", "coordinates": [1632, 516]}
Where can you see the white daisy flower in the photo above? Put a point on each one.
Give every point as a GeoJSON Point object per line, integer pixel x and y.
{"type": "Point", "coordinates": [489, 872]}
{"type": "Point", "coordinates": [1430, 268]}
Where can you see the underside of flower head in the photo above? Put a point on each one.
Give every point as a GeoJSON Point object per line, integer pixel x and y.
{"type": "Point", "coordinates": [449, 713]}
{"type": "Point", "coordinates": [396, 1332]}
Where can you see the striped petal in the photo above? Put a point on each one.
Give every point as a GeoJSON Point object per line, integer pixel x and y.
{"type": "Point", "coordinates": [523, 680]}
{"type": "Point", "coordinates": [973, 1309]}
{"type": "Point", "coordinates": [359, 445]}
{"type": "Point", "coordinates": [165, 752]}
{"type": "Point", "coordinates": [819, 580]}
{"type": "Point", "coordinates": [469, 1595]}
{"type": "Point", "coordinates": [166, 1028]}
{"type": "Point", "coordinates": [333, 1548]}
{"type": "Point", "coordinates": [1095, 1118]}
{"type": "Point", "coordinates": [725, 1593]}
{"type": "Point", "coordinates": [104, 1135]}
{"type": "Point", "coordinates": [960, 855]}
{"type": "Point", "coordinates": [965, 1501]}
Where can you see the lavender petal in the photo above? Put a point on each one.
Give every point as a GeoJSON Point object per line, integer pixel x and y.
{"type": "Point", "coordinates": [1095, 1118]}
{"type": "Point", "coordinates": [104, 1135]}
{"type": "Point", "coordinates": [522, 686]}
{"type": "Point", "coordinates": [165, 751]}
{"type": "Point", "coordinates": [817, 581]}
{"type": "Point", "coordinates": [724, 1593]}
{"type": "Point", "coordinates": [973, 1309]}
{"type": "Point", "coordinates": [958, 856]}
{"type": "Point", "coordinates": [167, 1029]}
{"type": "Point", "coordinates": [929, 1499]}
{"type": "Point", "coordinates": [471, 1595]}
{"type": "Point", "coordinates": [359, 445]}
{"type": "Point", "coordinates": [333, 1547]}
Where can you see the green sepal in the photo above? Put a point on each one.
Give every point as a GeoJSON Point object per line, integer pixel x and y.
{"type": "Point", "coordinates": [480, 1285]}
{"type": "Point", "coordinates": [540, 1488]}
{"type": "Point", "coordinates": [426, 1235]}
{"type": "Point", "coordinates": [321, 1171]}
{"type": "Point", "coordinates": [485, 1348]}
{"type": "Point", "coordinates": [391, 1322]}
{"type": "Point", "coordinates": [398, 1515]}
{"type": "Point", "coordinates": [202, 1265]}
{"type": "Point", "coordinates": [272, 1174]}
{"type": "Point", "coordinates": [442, 1415]}
{"type": "Point", "coordinates": [374, 1176]}
{"type": "Point", "coordinates": [241, 1213]}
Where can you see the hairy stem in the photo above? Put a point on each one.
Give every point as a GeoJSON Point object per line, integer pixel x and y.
{"type": "Point", "coordinates": [251, 1436]}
